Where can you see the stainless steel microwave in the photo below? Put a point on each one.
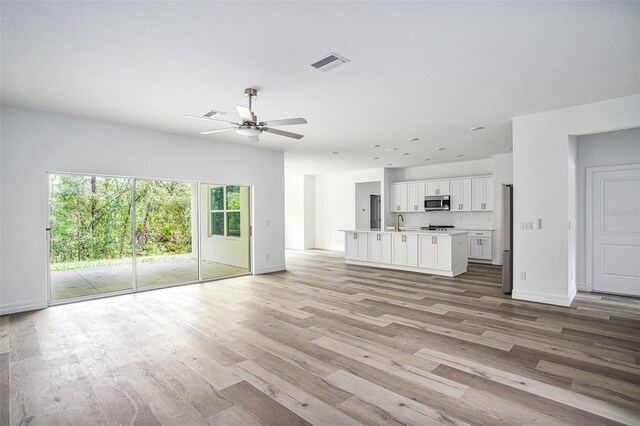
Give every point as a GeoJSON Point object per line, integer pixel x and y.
{"type": "Point", "coordinates": [438, 202]}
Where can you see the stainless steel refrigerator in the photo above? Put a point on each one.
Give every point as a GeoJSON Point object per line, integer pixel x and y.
{"type": "Point", "coordinates": [507, 238]}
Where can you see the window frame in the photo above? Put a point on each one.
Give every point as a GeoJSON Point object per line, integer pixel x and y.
{"type": "Point", "coordinates": [225, 212]}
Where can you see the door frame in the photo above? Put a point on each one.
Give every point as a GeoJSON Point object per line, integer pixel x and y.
{"type": "Point", "coordinates": [134, 289]}
{"type": "Point", "coordinates": [589, 215]}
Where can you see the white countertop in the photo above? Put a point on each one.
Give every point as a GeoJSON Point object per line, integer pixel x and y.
{"type": "Point", "coordinates": [407, 231]}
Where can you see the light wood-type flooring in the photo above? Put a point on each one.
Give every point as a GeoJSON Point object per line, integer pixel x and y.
{"type": "Point", "coordinates": [328, 344]}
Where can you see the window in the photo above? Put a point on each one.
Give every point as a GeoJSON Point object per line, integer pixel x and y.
{"type": "Point", "coordinates": [225, 211]}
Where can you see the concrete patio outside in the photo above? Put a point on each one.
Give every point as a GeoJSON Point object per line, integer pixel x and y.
{"type": "Point", "coordinates": [106, 279]}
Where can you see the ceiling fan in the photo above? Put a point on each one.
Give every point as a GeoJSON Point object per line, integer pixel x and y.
{"type": "Point", "coordinates": [250, 126]}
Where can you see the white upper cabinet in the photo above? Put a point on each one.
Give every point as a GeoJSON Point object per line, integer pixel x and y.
{"type": "Point", "coordinates": [482, 189]}
{"type": "Point", "coordinates": [437, 187]}
{"type": "Point", "coordinates": [466, 194]}
{"type": "Point", "coordinates": [398, 197]}
{"type": "Point", "coordinates": [460, 195]}
{"type": "Point", "coordinates": [416, 192]}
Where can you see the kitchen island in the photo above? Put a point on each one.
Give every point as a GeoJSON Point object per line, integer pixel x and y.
{"type": "Point", "coordinates": [430, 252]}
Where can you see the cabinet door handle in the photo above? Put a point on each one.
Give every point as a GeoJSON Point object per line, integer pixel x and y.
{"type": "Point", "coordinates": [437, 191]}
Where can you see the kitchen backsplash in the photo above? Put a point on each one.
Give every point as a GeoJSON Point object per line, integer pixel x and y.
{"type": "Point", "coordinates": [457, 219]}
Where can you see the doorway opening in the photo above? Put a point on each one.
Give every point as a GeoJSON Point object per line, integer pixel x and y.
{"type": "Point", "coordinates": [375, 217]}
{"type": "Point", "coordinates": [115, 235]}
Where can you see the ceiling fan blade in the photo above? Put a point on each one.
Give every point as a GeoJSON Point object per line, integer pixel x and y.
{"type": "Point", "coordinates": [196, 117]}
{"type": "Point", "coordinates": [245, 114]}
{"type": "Point", "coordinates": [285, 122]}
{"type": "Point", "coordinates": [210, 132]}
{"type": "Point", "coordinates": [282, 133]}
{"type": "Point", "coordinates": [254, 139]}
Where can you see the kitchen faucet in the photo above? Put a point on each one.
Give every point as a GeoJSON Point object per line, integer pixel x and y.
{"type": "Point", "coordinates": [398, 222]}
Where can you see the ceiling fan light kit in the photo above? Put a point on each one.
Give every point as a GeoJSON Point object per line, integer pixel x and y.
{"type": "Point", "coordinates": [248, 130]}
{"type": "Point", "coordinates": [250, 126]}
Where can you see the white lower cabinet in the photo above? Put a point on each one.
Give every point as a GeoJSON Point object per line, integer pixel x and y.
{"type": "Point", "coordinates": [405, 249]}
{"type": "Point", "coordinates": [379, 247]}
{"type": "Point", "coordinates": [356, 246]}
{"type": "Point", "coordinates": [435, 252]}
{"type": "Point", "coordinates": [480, 245]}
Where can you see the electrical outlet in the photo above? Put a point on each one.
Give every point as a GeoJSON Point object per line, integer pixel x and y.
{"type": "Point", "coordinates": [267, 222]}
{"type": "Point", "coordinates": [267, 256]}
{"type": "Point", "coordinates": [523, 276]}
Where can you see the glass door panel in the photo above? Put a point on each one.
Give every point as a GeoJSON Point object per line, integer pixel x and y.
{"type": "Point", "coordinates": [225, 230]}
{"type": "Point", "coordinates": [166, 231]}
{"type": "Point", "coordinates": [90, 238]}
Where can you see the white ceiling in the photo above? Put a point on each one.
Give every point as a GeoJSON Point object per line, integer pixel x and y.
{"type": "Point", "coordinates": [418, 69]}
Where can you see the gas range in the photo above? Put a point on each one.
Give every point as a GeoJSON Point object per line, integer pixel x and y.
{"type": "Point", "coordinates": [436, 227]}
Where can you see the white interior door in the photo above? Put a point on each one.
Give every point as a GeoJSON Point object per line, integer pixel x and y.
{"type": "Point", "coordinates": [615, 229]}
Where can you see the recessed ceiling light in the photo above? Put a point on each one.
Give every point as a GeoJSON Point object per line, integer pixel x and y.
{"type": "Point", "coordinates": [414, 139]}
{"type": "Point", "coordinates": [404, 154]}
{"type": "Point", "coordinates": [334, 153]}
{"type": "Point", "coordinates": [375, 158]}
{"type": "Point", "coordinates": [426, 159]}
{"type": "Point", "coordinates": [473, 129]}
{"type": "Point", "coordinates": [459, 155]}
{"type": "Point", "coordinates": [375, 145]}
{"type": "Point", "coordinates": [391, 149]}
{"type": "Point", "coordinates": [389, 164]}
{"type": "Point", "coordinates": [440, 149]}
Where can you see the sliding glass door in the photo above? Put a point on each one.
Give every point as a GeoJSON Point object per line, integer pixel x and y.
{"type": "Point", "coordinates": [113, 234]}
{"type": "Point", "coordinates": [90, 235]}
{"type": "Point", "coordinates": [166, 248]}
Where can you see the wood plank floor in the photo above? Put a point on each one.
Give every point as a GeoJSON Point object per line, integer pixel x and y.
{"type": "Point", "coordinates": [324, 343]}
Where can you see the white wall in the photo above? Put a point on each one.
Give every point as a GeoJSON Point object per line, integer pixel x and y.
{"type": "Point", "coordinates": [309, 212]}
{"type": "Point", "coordinates": [541, 190]}
{"type": "Point", "coordinates": [336, 203]}
{"type": "Point", "coordinates": [602, 149]}
{"type": "Point", "coordinates": [294, 211]}
{"type": "Point", "coordinates": [447, 170]}
{"type": "Point", "coordinates": [364, 190]}
{"type": "Point", "coordinates": [502, 174]}
{"type": "Point", "coordinates": [33, 143]}
{"type": "Point", "coordinates": [300, 212]}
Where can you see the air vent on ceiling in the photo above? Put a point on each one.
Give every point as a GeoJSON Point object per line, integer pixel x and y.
{"type": "Point", "coordinates": [329, 61]}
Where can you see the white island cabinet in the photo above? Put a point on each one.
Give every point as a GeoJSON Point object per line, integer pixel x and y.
{"type": "Point", "coordinates": [431, 252]}
{"type": "Point", "coordinates": [404, 251]}
{"type": "Point", "coordinates": [355, 247]}
{"type": "Point", "coordinates": [379, 247]}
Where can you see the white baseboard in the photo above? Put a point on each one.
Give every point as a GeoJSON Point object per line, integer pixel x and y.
{"type": "Point", "coordinates": [267, 270]}
{"type": "Point", "coordinates": [582, 286]}
{"type": "Point", "coordinates": [14, 308]}
{"type": "Point", "coordinates": [550, 299]}
{"type": "Point", "coordinates": [496, 262]}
